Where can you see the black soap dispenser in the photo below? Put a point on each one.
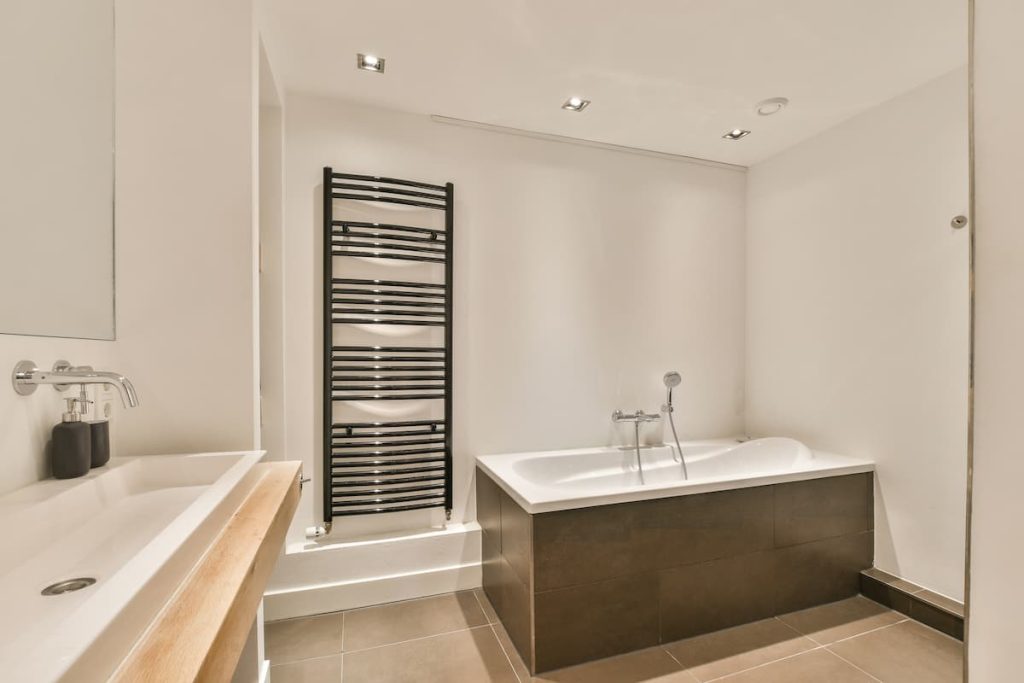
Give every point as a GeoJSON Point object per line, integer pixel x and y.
{"type": "Point", "coordinates": [99, 430]}
{"type": "Point", "coordinates": [71, 444]}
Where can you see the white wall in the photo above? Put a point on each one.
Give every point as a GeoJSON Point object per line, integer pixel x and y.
{"type": "Point", "coordinates": [995, 637]}
{"type": "Point", "coordinates": [184, 245]}
{"type": "Point", "coordinates": [581, 276]}
{"type": "Point", "coordinates": [857, 324]}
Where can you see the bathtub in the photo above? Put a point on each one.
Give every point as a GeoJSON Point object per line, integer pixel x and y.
{"type": "Point", "coordinates": [548, 481]}
{"type": "Point", "coordinates": [758, 529]}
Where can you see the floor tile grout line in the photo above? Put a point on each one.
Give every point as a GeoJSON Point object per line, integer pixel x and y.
{"type": "Point", "coordinates": [764, 664]}
{"type": "Point", "coordinates": [795, 629]}
{"type": "Point", "coordinates": [483, 613]}
{"type": "Point", "coordinates": [674, 658]}
{"type": "Point", "coordinates": [681, 667]}
{"type": "Point", "coordinates": [811, 638]}
{"type": "Point", "coordinates": [873, 630]}
{"type": "Point", "coordinates": [494, 631]}
{"type": "Point", "coordinates": [505, 652]}
{"type": "Point", "coordinates": [930, 628]}
{"type": "Point", "coordinates": [844, 659]}
{"type": "Point", "coordinates": [366, 607]}
{"type": "Point", "coordinates": [274, 664]}
{"type": "Point", "coordinates": [377, 647]}
{"type": "Point", "coordinates": [816, 642]}
{"type": "Point", "coordinates": [342, 631]}
{"type": "Point", "coordinates": [413, 640]}
{"type": "Point", "coordinates": [481, 604]}
{"type": "Point", "coordinates": [406, 600]}
{"type": "Point", "coordinates": [817, 646]}
{"type": "Point", "coordinates": [792, 628]}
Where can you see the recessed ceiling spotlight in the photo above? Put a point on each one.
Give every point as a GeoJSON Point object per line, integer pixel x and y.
{"type": "Point", "coordinates": [736, 134]}
{"type": "Point", "coordinates": [370, 63]}
{"type": "Point", "coordinates": [773, 105]}
{"type": "Point", "coordinates": [575, 104]}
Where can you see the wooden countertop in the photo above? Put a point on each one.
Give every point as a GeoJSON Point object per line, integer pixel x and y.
{"type": "Point", "coordinates": [201, 632]}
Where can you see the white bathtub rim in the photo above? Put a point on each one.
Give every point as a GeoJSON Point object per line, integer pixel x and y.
{"type": "Point", "coordinates": [541, 499]}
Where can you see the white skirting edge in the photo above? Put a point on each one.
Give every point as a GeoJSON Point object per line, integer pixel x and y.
{"type": "Point", "coordinates": [333, 597]}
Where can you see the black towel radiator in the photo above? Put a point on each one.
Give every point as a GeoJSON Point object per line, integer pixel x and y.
{"type": "Point", "coordinates": [382, 466]}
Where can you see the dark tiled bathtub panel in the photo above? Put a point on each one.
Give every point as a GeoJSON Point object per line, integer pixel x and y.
{"type": "Point", "coordinates": [823, 508]}
{"type": "Point", "coordinates": [594, 620]}
{"type": "Point", "coordinates": [592, 544]}
{"type": "Point", "coordinates": [488, 514]}
{"type": "Point", "coordinates": [507, 554]}
{"type": "Point", "coordinates": [822, 571]}
{"type": "Point", "coordinates": [578, 585]}
{"type": "Point", "coordinates": [705, 597]}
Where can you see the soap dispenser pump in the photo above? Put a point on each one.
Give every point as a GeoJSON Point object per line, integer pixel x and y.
{"type": "Point", "coordinates": [71, 444]}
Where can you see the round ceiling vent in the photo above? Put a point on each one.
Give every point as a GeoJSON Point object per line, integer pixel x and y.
{"type": "Point", "coordinates": [773, 105]}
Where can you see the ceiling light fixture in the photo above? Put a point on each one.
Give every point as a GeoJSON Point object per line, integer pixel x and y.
{"type": "Point", "coordinates": [370, 63]}
{"type": "Point", "coordinates": [575, 104]}
{"type": "Point", "coordinates": [736, 134]}
{"type": "Point", "coordinates": [773, 105]}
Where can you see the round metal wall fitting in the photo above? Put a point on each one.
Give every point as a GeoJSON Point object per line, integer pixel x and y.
{"type": "Point", "coordinates": [59, 367]}
{"type": "Point", "coordinates": [23, 368]}
{"type": "Point", "coordinates": [958, 222]}
{"type": "Point", "coordinates": [69, 586]}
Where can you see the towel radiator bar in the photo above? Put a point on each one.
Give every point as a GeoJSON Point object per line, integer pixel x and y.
{"type": "Point", "coordinates": [385, 466]}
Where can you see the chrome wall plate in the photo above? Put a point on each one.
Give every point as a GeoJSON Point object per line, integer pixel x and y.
{"type": "Point", "coordinates": [25, 369]}
{"type": "Point", "coordinates": [22, 369]}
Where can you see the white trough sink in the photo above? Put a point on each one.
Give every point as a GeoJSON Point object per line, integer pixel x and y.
{"type": "Point", "coordinates": [136, 526]}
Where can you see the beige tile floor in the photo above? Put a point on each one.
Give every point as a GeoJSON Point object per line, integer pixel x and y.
{"type": "Point", "coordinates": [456, 638]}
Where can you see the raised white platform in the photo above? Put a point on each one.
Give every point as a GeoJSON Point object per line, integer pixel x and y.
{"type": "Point", "coordinates": [329, 575]}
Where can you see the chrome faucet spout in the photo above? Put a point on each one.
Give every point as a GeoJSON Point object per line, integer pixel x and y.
{"type": "Point", "coordinates": [26, 377]}
{"type": "Point", "coordinates": [126, 390]}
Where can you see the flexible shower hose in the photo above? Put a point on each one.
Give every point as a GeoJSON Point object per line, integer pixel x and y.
{"type": "Point", "coordinates": [679, 448]}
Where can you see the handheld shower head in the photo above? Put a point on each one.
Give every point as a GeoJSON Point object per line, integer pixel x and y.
{"type": "Point", "coordinates": [671, 379]}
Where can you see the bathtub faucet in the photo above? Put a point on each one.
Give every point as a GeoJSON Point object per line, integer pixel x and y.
{"type": "Point", "coordinates": [636, 418]}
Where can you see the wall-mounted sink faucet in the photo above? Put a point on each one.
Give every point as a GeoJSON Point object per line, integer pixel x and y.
{"type": "Point", "coordinates": [26, 377]}
{"type": "Point", "coordinates": [636, 418]}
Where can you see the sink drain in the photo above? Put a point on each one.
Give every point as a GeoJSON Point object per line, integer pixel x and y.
{"type": "Point", "coordinates": [68, 586]}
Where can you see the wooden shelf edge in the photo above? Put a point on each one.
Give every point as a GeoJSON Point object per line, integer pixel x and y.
{"type": "Point", "coordinates": [200, 633]}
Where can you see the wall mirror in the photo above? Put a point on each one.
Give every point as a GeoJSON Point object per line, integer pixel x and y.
{"type": "Point", "coordinates": [57, 168]}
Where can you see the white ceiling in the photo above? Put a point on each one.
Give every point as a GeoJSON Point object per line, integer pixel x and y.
{"type": "Point", "coordinates": [665, 75]}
